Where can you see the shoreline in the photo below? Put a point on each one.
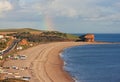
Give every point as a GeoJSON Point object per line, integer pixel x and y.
{"type": "Point", "coordinates": [65, 73]}
{"type": "Point", "coordinates": [57, 63]}
{"type": "Point", "coordinates": [94, 43]}
{"type": "Point", "coordinates": [60, 61]}
{"type": "Point", "coordinates": [46, 65]}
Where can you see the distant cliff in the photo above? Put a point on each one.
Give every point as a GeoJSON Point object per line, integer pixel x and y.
{"type": "Point", "coordinates": [87, 38]}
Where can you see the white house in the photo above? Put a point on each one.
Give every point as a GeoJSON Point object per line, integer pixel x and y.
{"type": "Point", "coordinates": [1, 36]}
{"type": "Point", "coordinates": [19, 48]}
{"type": "Point", "coordinates": [1, 57]}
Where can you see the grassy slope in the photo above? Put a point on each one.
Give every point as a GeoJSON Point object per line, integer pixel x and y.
{"type": "Point", "coordinates": [72, 37]}
{"type": "Point", "coordinates": [19, 30]}
{"type": "Point", "coordinates": [35, 31]}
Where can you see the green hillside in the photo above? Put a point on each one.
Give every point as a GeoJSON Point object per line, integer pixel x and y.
{"type": "Point", "coordinates": [39, 35]}
{"type": "Point", "coordinates": [20, 30]}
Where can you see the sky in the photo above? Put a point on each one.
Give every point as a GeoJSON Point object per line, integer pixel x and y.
{"type": "Point", "coordinates": [71, 16]}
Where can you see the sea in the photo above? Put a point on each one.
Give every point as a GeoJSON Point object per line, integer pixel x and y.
{"type": "Point", "coordinates": [94, 63]}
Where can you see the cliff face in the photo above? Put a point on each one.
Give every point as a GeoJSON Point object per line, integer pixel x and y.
{"type": "Point", "coordinates": [89, 38]}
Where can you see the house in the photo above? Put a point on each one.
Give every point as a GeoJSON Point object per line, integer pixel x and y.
{"type": "Point", "coordinates": [23, 42]}
{"type": "Point", "coordinates": [1, 36]}
{"type": "Point", "coordinates": [19, 48]}
{"type": "Point", "coordinates": [1, 57]}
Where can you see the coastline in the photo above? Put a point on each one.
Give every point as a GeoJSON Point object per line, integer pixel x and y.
{"type": "Point", "coordinates": [58, 62]}
{"type": "Point", "coordinates": [46, 65]}
{"type": "Point", "coordinates": [54, 65]}
{"type": "Point", "coordinates": [59, 59]}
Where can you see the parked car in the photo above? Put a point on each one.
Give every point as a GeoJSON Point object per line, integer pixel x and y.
{"type": "Point", "coordinates": [23, 57]}
{"type": "Point", "coordinates": [26, 78]}
{"type": "Point", "coordinates": [15, 67]}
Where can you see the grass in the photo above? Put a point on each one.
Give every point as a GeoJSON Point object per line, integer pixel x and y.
{"type": "Point", "coordinates": [19, 30]}
{"type": "Point", "coordinates": [72, 37]}
{"type": "Point", "coordinates": [35, 31]}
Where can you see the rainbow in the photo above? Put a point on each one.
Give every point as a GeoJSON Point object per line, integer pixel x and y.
{"type": "Point", "coordinates": [48, 23]}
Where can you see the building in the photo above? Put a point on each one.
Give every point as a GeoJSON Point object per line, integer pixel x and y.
{"type": "Point", "coordinates": [1, 36]}
{"type": "Point", "coordinates": [23, 42]}
{"type": "Point", "coordinates": [1, 57]}
{"type": "Point", "coordinates": [19, 48]}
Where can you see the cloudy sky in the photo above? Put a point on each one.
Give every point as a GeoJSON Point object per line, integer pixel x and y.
{"type": "Point", "coordinates": [73, 16]}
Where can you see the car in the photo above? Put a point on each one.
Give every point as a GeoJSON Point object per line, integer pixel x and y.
{"type": "Point", "coordinates": [27, 78]}
{"type": "Point", "coordinates": [23, 57]}
{"type": "Point", "coordinates": [17, 76]}
{"type": "Point", "coordinates": [15, 67]}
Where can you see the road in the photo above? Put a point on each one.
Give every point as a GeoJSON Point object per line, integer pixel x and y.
{"type": "Point", "coordinates": [11, 47]}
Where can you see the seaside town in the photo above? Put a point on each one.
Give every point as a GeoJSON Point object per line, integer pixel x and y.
{"type": "Point", "coordinates": [9, 45]}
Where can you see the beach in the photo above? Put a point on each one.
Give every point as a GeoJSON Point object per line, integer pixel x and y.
{"type": "Point", "coordinates": [44, 63]}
